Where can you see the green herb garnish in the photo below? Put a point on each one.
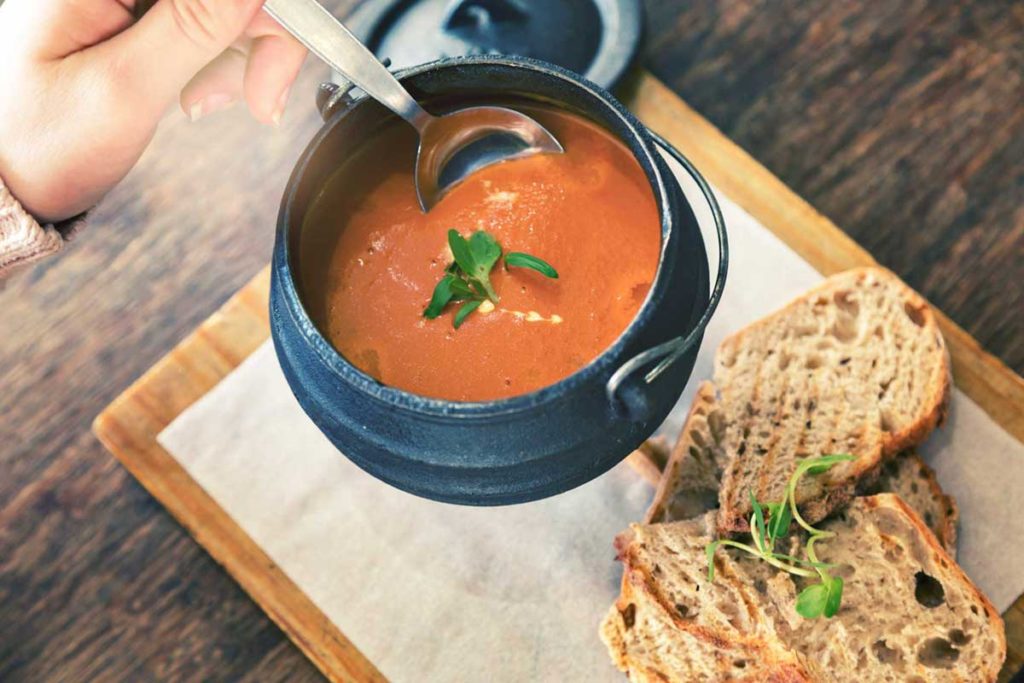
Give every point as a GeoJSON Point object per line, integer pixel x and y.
{"type": "Point", "coordinates": [465, 310]}
{"type": "Point", "coordinates": [469, 277]}
{"type": "Point", "coordinates": [818, 599]}
{"type": "Point", "coordinates": [517, 259]}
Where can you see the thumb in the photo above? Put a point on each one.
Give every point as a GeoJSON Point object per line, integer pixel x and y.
{"type": "Point", "coordinates": [174, 40]}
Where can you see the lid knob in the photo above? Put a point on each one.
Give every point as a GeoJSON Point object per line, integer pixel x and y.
{"type": "Point", "coordinates": [483, 14]}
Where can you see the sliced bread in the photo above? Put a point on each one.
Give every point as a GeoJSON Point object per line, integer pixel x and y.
{"type": "Point", "coordinates": [692, 476]}
{"type": "Point", "coordinates": [911, 479]}
{"type": "Point", "coordinates": [857, 365]}
{"type": "Point", "coordinates": [669, 624]}
{"type": "Point", "coordinates": [908, 612]}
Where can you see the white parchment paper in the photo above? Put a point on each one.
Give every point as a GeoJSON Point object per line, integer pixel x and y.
{"type": "Point", "coordinates": [434, 592]}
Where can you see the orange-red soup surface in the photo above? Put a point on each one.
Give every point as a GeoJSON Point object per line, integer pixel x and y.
{"type": "Point", "coordinates": [370, 260]}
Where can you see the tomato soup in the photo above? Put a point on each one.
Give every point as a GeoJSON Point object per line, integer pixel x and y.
{"type": "Point", "coordinates": [370, 261]}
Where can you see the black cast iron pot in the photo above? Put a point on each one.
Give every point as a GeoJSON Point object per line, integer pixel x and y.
{"type": "Point", "coordinates": [528, 446]}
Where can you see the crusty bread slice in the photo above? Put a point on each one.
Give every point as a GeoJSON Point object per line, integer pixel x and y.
{"type": "Point", "coordinates": [935, 623]}
{"type": "Point", "coordinates": [691, 478]}
{"type": "Point", "coordinates": [911, 479]}
{"type": "Point", "coordinates": [662, 629]}
{"type": "Point", "coordinates": [908, 612]}
{"type": "Point", "coordinates": [693, 473]}
{"type": "Point", "coordinates": [857, 365]}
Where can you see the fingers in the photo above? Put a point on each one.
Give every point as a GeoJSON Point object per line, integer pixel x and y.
{"type": "Point", "coordinates": [188, 31]}
{"type": "Point", "coordinates": [274, 62]}
{"type": "Point", "coordinates": [217, 86]}
{"type": "Point", "coordinates": [171, 43]}
{"type": "Point", "coordinates": [260, 70]}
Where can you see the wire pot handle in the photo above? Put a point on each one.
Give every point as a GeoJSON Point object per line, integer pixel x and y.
{"type": "Point", "coordinates": [665, 354]}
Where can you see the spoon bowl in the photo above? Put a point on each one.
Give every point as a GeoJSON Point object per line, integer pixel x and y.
{"type": "Point", "coordinates": [451, 146]}
{"type": "Point", "coordinates": [457, 144]}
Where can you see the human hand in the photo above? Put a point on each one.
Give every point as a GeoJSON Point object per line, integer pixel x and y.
{"type": "Point", "coordinates": [83, 85]}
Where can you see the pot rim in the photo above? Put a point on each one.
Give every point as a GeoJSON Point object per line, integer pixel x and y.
{"type": "Point", "coordinates": [600, 367]}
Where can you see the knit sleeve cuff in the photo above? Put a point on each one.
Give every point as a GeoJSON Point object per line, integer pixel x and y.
{"type": "Point", "coordinates": [22, 239]}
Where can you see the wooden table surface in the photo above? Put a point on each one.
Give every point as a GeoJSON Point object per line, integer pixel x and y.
{"type": "Point", "coordinates": [902, 122]}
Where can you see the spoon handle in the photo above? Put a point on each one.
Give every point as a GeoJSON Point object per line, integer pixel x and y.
{"type": "Point", "coordinates": [328, 39]}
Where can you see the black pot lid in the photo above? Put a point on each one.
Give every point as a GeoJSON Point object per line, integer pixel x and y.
{"type": "Point", "coordinates": [596, 38]}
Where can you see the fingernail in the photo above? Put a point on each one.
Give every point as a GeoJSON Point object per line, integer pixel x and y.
{"type": "Point", "coordinates": [279, 111]}
{"type": "Point", "coordinates": [209, 105]}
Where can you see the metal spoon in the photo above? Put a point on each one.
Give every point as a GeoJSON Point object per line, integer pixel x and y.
{"type": "Point", "coordinates": [451, 146]}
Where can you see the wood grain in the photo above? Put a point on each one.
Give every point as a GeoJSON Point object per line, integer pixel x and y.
{"type": "Point", "coordinates": [129, 428]}
{"type": "Point", "coordinates": [901, 121]}
{"type": "Point", "coordinates": [98, 583]}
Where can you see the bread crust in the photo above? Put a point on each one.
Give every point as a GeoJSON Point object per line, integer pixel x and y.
{"type": "Point", "coordinates": [942, 382]}
{"type": "Point", "coordinates": [649, 459]}
{"type": "Point", "coordinates": [945, 527]}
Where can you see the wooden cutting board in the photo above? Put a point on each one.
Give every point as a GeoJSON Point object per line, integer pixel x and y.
{"type": "Point", "coordinates": [130, 425]}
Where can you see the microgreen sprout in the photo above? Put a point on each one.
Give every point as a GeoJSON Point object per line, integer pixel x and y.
{"type": "Point", "coordinates": [770, 522]}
